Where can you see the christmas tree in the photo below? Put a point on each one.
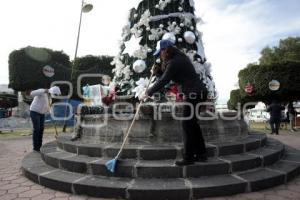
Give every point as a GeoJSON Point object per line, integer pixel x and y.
{"type": "Point", "coordinates": [150, 22]}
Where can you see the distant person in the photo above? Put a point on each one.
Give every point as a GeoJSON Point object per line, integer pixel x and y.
{"type": "Point", "coordinates": [275, 116]}
{"type": "Point", "coordinates": [38, 108]}
{"type": "Point", "coordinates": [292, 116]}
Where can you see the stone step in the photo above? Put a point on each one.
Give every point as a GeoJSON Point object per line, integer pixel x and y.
{"type": "Point", "coordinates": [159, 152]}
{"type": "Point", "coordinates": [36, 170]}
{"type": "Point", "coordinates": [160, 168]}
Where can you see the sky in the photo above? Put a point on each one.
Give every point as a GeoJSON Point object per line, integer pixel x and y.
{"type": "Point", "coordinates": [234, 31]}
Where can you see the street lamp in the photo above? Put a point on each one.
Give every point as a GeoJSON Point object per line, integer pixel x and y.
{"type": "Point", "coordinates": [85, 8]}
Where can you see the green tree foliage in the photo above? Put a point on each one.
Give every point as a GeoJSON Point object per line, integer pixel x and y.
{"type": "Point", "coordinates": [287, 50]}
{"type": "Point", "coordinates": [235, 98]}
{"type": "Point", "coordinates": [26, 68]}
{"type": "Point", "coordinates": [93, 65]}
{"type": "Point", "coordinates": [287, 73]}
{"type": "Point", "coordinates": [280, 63]}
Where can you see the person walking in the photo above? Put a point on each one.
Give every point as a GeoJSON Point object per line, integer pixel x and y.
{"type": "Point", "coordinates": [179, 69]}
{"type": "Point", "coordinates": [275, 110]}
{"type": "Point", "coordinates": [292, 116]}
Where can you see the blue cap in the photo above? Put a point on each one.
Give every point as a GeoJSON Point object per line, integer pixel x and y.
{"type": "Point", "coordinates": [163, 44]}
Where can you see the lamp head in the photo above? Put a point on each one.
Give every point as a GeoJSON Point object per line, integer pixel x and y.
{"type": "Point", "coordinates": [87, 7]}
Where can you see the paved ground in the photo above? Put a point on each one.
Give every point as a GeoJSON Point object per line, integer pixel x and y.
{"type": "Point", "coordinates": [13, 186]}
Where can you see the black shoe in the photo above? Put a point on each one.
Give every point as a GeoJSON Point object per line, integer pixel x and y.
{"type": "Point", "coordinates": [75, 137]}
{"type": "Point", "coordinates": [201, 158]}
{"type": "Point", "coordinates": [272, 133]}
{"type": "Point", "coordinates": [184, 162]}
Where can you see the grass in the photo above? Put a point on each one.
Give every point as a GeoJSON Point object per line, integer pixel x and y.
{"type": "Point", "coordinates": [49, 130]}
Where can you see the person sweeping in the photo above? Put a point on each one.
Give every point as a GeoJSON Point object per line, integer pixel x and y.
{"type": "Point", "coordinates": [38, 108]}
{"type": "Point", "coordinates": [179, 69]}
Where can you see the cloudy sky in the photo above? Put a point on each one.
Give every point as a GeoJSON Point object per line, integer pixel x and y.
{"type": "Point", "coordinates": [234, 30]}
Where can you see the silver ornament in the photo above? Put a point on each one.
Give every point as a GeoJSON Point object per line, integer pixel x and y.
{"type": "Point", "coordinates": [139, 66]}
{"type": "Point", "coordinates": [189, 37]}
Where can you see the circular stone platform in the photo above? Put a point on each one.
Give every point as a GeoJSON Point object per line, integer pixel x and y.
{"type": "Point", "coordinates": [154, 129]}
{"type": "Point", "coordinates": [238, 161]}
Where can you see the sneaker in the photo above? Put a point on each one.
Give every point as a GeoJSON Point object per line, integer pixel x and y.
{"type": "Point", "coordinates": [184, 162]}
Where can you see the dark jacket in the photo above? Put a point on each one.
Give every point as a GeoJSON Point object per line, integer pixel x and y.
{"type": "Point", "coordinates": [180, 70]}
{"type": "Point", "coordinates": [291, 109]}
{"type": "Point", "coordinates": [275, 111]}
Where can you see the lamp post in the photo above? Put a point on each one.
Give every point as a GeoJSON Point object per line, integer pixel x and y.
{"type": "Point", "coordinates": [85, 8]}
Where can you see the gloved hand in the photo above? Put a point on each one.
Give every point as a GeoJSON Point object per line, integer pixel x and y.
{"type": "Point", "coordinates": [54, 91]}
{"type": "Point", "coordinates": [144, 96]}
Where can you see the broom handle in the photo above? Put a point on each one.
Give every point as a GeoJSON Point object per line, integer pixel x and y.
{"type": "Point", "coordinates": [134, 118]}
{"type": "Point", "coordinates": [56, 133]}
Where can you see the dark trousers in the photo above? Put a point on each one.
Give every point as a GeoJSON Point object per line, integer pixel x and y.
{"type": "Point", "coordinates": [194, 145]}
{"type": "Point", "coordinates": [38, 129]}
{"type": "Point", "coordinates": [275, 124]}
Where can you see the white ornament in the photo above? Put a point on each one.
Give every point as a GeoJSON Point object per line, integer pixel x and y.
{"type": "Point", "coordinates": [132, 45]}
{"type": "Point", "coordinates": [162, 4]}
{"type": "Point", "coordinates": [141, 53]}
{"type": "Point", "coordinates": [139, 66]}
{"type": "Point", "coordinates": [169, 36]}
{"type": "Point", "coordinates": [181, 24]}
{"type": "Point", "coordinates": [173, 28]}
{"type": "Point", "coordinates": [174, 23]}
{"type": "Point", "coordinates": [135, 15]}
{"type": "Point", "coordinates": [161, 26]}
{"type": "Point", "coordinates": [180, 40]}
{"type": "Point", "coordinates": [149, 50]}
{"type": "Point", "coordinates": [148, 28]}
{"type": "Point", "coordinates": [189, 37]}
{"type": "Point", "coordinates": [156, 34]}
{"type": "Point", "coordinates": [158, 61]}
{"type": "Point", "coordinates": [145, 19]}
{"type": "Point", "coordinates": [192, 28]}
{"type": "Point", "coordinates": [127, 72]}
{"type": "Point", "coordinates": [141, 86]}
{"type": "Point", "coordinates": [180, 9]}
{"type": "Point", "coordinates": [192, 3]}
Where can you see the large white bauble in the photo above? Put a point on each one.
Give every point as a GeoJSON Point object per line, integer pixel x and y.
{"type": "Point", "coordinates": [139, 66]}
{"type": "Point", "coordinates": [189, 37]}
{"type": "Point", "coordinates": [169, 36]}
